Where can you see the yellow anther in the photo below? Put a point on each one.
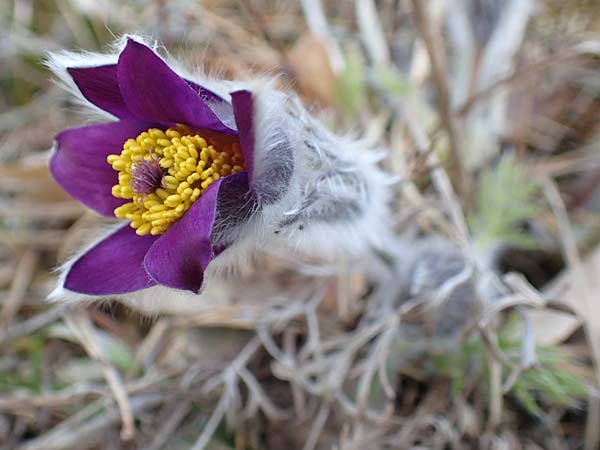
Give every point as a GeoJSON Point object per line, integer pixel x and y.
{"type": "Point", "coordinates": [162, 194]}
{"type": "Point", "coordinates": [207, 173]}
{"type": "Point", "coordinates": [187, 193]}
{"type": "Point", "coordinates": [193, 177]}
{"type": "Point", "coordinates": [164, 172]}
{"type": "Point", "coordinates": [148, 142]}
{"type": "Point", "coordinates": [150, 203]}
{"type": "Point", "coordinates": [123, 210]}
{"type": "Point", "coordinates": [166, 163]}
{"type": "Point", "coordinates": [159, 222]}
{"type": "Point", "coordinates": [126, 192]}
{"type": "Point", "coordinates": [173, 203]}
{"type": "Point", "coordinates": [133, 216]}
{"type": "Point", "coordinates": [158, 208]}
{"type": "Point", "coordinates": [124, 177]}
{"type": "Point", "coordinates": [157, 133]}
{"type": "Point", "coordinates": [144, 229]}
{"type": "Point", "coordinates": [119, 165]}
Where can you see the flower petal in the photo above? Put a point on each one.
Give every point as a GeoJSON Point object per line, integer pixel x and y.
{"type": "Point", "coordinates": [270, 176]}
{"type": "Point", "coordinates": [100, 86]}
{"type": "Point", "coordinates": [79, 164]}
{"type": "Point", "coordinates": [243, 111]}
{"type": "Point", "coordinates": [113, 266]}
{"type": "Point", "coordinates": [179, 258]}
{"type": "Point", "coordinates": [155, 92]}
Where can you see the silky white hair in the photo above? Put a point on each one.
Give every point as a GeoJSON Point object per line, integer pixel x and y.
{"type": "Point", "coordinates": [319, 195]}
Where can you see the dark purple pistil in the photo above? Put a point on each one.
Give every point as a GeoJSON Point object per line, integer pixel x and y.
{"type": "Point", "coordinates": [147, 176]}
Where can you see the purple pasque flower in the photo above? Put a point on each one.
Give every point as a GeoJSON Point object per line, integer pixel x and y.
{"type": "Point", "coordinates": [169, 167]}
{"type": "Point", "coordinates": [204, 175]}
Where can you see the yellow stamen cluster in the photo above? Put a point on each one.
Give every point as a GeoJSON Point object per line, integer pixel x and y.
{"type": "Point", "coordinates": [190, 165]}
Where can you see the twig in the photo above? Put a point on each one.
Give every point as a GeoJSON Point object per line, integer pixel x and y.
{"type": "Point", "coordinates": [51, 399]}
{"type": "Point", "coordinates": [508, 301]}
{"type": "Point", "coordinates": [289, 347]}
{"type": "Point", "coordinates": [442, 184]}
{"type": "Point", "coordinates": [523, 74]}
{"type": "Point", "coordinates": [81, 325]}
{"type": "Point", "coordinates": [592, 432]}
{"type": "Point", "coordinates": [586, 308]}
{"type": "Point", "coordinates": [376, 361]}
{"type": "Point", "coordinates": [317, 23]}
{"type": "Point", "coordinates": [33, 324]}
{"type": "Point", "coordinates": [230, 401]}
{"type": "Point", "coordinates": [528, 355]}
{"type": "Point", "coordinates": [495, 391]}
{"type": "Point", "coordinates": [18, 117]}
{"type": "Point", "coordinates": [77, 429]}
{"type": "Point", "coordinates": [164, 432]}
{"type": "Point", "coordinates": [433, 400]}
{"type": "Point", "coordinates": [40, 239]}
{"type": "Point", "coordinates": [317, 427]}
{"type": "Point", "coordinates": [148, 347]}
{"type": "Point", "coordinates": [456, 170]}
{"type": "Point", "coordinates": [212, 424]}
{"type": "Point", "coordinates": [371, 32]}
{"type": "Point", "coordinates": [23, 276]}
{"type": "Point", "coordinates": [257, 398]}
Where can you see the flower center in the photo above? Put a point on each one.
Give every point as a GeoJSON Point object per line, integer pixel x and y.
{"type": "Point", "coordinates": [147, 176]}
{"type": "Point", "coordinates": [165, 172]}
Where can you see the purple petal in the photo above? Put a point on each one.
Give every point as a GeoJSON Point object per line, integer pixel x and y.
{"type": "Point", "coordinates": [206, 94]}
{"type": "Point", "coordinates": [221, 107]}
{"type": "Point", "coordinates": [154, 92]}
{"type": "Point", "coordinates": [100, 86]}
{"type": "Point", "coordinates": [113, 266]}
{"type": "Point", "coordinates": [271, 180]}
{"type": "Point", "coordinates": [179, 258]}
{"type": "Point", "coordinates": [243, 111]}
{"type": "Point", "coordinates": [79, 164]}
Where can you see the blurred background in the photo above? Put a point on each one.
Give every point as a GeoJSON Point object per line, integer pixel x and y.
{"type": "Point", "coordinates": [490, 110]}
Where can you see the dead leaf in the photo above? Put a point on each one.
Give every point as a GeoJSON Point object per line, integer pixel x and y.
{"type": "Point", "coordinates": [312, 68]}
{"type": "Point", "coordinates": [553, 327]}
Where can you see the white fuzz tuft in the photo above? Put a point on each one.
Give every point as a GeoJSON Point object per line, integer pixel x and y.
{"type": "Point", "coordinates": [320, 195]}
{"type": "Point", "coordinates": [435, 272]}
